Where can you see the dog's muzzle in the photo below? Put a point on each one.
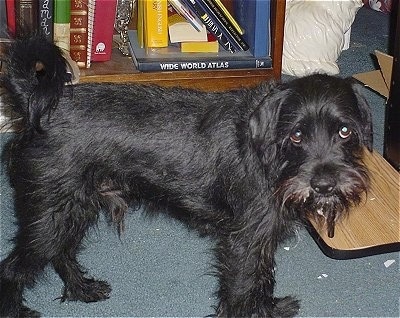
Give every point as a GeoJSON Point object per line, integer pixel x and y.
{"type": "Point", "coordinates": [325, 186]}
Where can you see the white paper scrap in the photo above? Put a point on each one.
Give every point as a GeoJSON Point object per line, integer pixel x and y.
{"type": "Point", "coordinates": [389, 262]}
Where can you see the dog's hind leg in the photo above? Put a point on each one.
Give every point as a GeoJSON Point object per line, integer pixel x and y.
{"type": "Point", "coordinates": [52, 224]}
{"type": "Point", "coordinates": [95, 193]}
{"type": "Point", "coordinates": [76, 285]}
{"type": "Point", "coordinates": [36, 243]}
{"type": "Point", "coordinates": [17, 271]}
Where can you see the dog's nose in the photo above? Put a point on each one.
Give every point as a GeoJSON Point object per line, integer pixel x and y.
{"type": "Point", "coordinates": [323, 184]}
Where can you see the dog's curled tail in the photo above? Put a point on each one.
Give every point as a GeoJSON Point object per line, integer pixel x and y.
{"type": "Point", "coordinates": [35, 77]}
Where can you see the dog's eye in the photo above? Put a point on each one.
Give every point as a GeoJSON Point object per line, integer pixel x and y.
{"type": "Point", "coordinates": [344, 132]}
{"type": "Point", "coordinates": [296, 137]}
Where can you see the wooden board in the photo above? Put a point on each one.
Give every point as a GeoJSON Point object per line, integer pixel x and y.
{"type": "Point", "coordinates": [373, 227]}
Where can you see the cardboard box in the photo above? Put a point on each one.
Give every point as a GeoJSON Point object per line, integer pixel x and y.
{"type": "Point", "coordinates": [379, 80]}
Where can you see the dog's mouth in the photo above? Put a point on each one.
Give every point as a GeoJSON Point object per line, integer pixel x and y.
{"type": "Point", "coordinates": [330, 218]}
{"type": "Point", "coordinates": [326, 211]}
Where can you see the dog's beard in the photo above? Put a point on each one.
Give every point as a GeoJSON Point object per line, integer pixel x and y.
{"type": "Point", "coordinates": [326, 209]}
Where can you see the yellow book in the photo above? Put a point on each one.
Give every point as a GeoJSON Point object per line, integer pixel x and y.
{"type": "Point", "coordinates": [155, 23]}
{"type": "Point", "coordinates": [229, 16]}
{"type": "Point", "coordinates": [200, 47]}
{"type": "Point", "coordinates": [140, 22]}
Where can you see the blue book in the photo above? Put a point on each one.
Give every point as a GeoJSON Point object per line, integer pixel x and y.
{"type": "Point", "coordinates": [254, 17]}
{"type": "Point", "coordinates": [171, 59]}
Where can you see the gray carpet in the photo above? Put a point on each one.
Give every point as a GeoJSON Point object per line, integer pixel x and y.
{"type": "Point", "coordinates": [160, 269]}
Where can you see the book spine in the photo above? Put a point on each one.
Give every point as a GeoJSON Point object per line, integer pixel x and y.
{"type": "Point", "coordinates": [26, 17]}
{"type": "Point", "coordinates": [211, 26]}
{"type": "Point", "coordinates": [220, 18]}
{"type": "Point", "coordinates": [211, 46]}
{"type": "Point", "coordinates": [78, 32]}
{"type": "Point", "coordinates": [103, 30]}
{"type": "Point", "coordinates": [11, 23]}
{"type": "Point", "coordinates": [156, 23]}
{"type": "Point", "coordinates": [140, 22]}
{"type": "Point", "coordinates": [203, 65]}
{"type": "Point", "coordinates": [91, 7]}
{"type": "Point", "coordinates": [262, 27]}
{"type": "Point", "coordinates": [3, 20]}
{"type": "Point", "coordinates": [46, 18]}
{"type": "Point", "coordinates": [229, 16]}
{"type": "Point", "coordinates": [62, 19]}
{"type": "Point", "coordinates": [254, 16]}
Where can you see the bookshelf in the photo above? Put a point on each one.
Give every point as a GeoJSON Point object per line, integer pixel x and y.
{"type": "Point", "coordinates": [121, 68]}
{"type": "Point", "coordinates": [392, 122]}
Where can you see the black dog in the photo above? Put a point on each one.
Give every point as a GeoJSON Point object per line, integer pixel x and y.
{"type": "Point", "coordinates": [244, 166]}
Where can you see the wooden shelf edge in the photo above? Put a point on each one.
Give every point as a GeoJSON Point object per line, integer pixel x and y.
{"type": "Point", "coordinates": [211, 80]}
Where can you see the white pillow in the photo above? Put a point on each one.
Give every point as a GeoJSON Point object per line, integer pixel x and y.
{"type": "Point", "coordinates": [315, 34]}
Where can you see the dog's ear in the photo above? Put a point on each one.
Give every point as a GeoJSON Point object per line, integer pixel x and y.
{"type": "Point", "coordinates": [263, 121]}
{"type": "Point", "coordinates": [366, 115]}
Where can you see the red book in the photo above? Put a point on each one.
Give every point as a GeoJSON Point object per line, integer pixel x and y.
{"type": "Point", "coordinates": [103, 30]}
{"type": "Point", "coordinates": [10, 7]}
{"type": "Point", "coordinates": [79, 32]}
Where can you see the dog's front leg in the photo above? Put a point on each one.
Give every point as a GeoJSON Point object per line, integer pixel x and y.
{"type": "Point", "coordinates": [246, 269]}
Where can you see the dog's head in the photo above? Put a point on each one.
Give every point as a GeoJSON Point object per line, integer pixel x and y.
{"type": "Point", "coordinates": [311, 132]}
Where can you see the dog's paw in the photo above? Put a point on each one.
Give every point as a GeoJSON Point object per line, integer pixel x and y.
{"type": "Point", "coordinates": [88, 291]}
{"type": "Point", "coordinates": [27, 312]}
{"type": "Point", "coordinates": [19, 311]}
{"type": "Point", "coordinates": [285, 307]}
{"type": "Point", "coordinates": [272, 308]}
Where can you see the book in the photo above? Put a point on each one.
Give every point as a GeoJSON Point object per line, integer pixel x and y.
{"type": "Point", "coordinates": [46, 18]}
{"type": "Point", "coordinates": [155, 23]}
{"type": "Point", "coordinates": [229, 16]}
{"type": "Point", "coordinates": [91, 7]}
{"type": "Point", "coordinates": [180, 30]}
{"type": "Point", "coordinates": [170, 59]}
{"type": "Point", "coordinates": [3, 20]}
{"type": "Point", "coordinates": [186, 13]}
{"type": "Point", "coordinates": [218, 15]}
{"type": "Point", "coordinates": [103, 29]}
{"type": "Point", "coordinates": [62, 19]}
{"type": "Point", "coordinates": [140, 22]}
{"type": "Point", "coordinates": [26, 17]}
{"type": "Point", "coordinates": [209, 46]}
{"type": "Point", "coordinates": [11, 24]}
{"type": "Point", "coordinates": [79, 32]}
{"type": "Point", "coordinates": [254, 17]}
{"type": "Point", "coordinates": [213, 28]}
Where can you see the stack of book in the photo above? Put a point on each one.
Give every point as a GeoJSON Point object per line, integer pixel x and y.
{"type": "Point", "coordinates": [84, 28]}
{"type": "Point", "coordinates": [179, 35]}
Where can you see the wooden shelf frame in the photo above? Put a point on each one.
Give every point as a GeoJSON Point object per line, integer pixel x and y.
{"type": "Point", "coordinates": [121, 68]}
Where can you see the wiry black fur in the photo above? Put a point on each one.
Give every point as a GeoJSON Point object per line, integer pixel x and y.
{"type": "Point", "coordinates": [243, 166]}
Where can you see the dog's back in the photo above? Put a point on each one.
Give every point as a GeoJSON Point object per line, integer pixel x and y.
{"type": "Point", "coordinates": [112, 144]}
